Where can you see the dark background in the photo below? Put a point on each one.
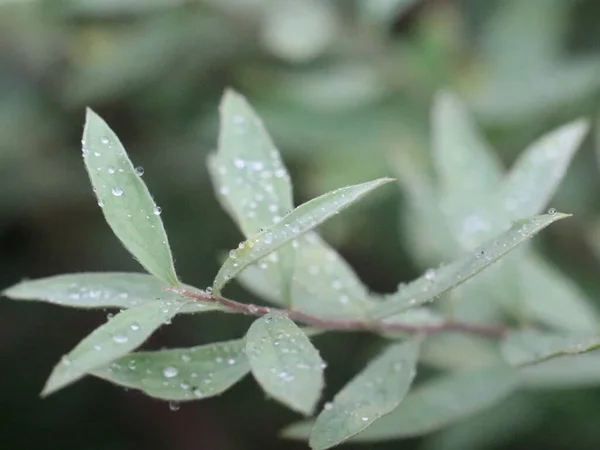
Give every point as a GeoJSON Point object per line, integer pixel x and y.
{"type": "Point", "coordinates": [342, 85]}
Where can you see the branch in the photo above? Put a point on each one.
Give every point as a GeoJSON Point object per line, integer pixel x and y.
{"type": "Point", "coordinates": [496, 332]}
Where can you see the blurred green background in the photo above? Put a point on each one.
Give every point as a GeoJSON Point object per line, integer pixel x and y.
{"type": "Point", "coordinates": [344, 87]}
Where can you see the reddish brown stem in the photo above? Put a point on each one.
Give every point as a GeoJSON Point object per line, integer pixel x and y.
{"type": "Point", "coordinates": [232, 306]}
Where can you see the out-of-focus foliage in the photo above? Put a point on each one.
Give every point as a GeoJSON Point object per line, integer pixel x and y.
{"type": "Point", "coordinates": [346, 88]}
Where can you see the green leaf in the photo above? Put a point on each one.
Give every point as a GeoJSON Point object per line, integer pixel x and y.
{"type": "Point", "coordinates": [534, 177]}
{"type": "Point", "coordinates": [125, 200]}
{"type": "Point", "coordinates": [181, 374]}
{"type": "Point", "coordinates": [119, 336]}
{"type": "Point", "coordinates": [284, 362]}
{"type": "Point", "coordinates": [100, 290]}
{"type": "Point", "coordinates": [301, 220]}
{"type": "Point", "coordinates": [469, 171]}
{"type": "Point", "coordinates": [323, 283]}
{"type": "Point", "coordinates": [248, 168]}
{"type": "Point", "coordinates": [373, 393]}
{"type": "Point", "coordinates": [456, 351]}
{"type": "Point", "coordinates": [434, 405]}
{"type": "Point", "coordinates": [436, 282]}
{"type": "Point", "coordinates": [554, 299]}
{"type": "Point", "coordinates": [563, 372]}
{"type": "Point", "coordinates": [530, 347]}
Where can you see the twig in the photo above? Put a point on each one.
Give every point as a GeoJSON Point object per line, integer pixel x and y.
{"type": "Point", "coordinates": [496, 332]}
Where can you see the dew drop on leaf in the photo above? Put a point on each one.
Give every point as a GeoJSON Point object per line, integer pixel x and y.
{"type": "Point", "coordinates": [170, 372]}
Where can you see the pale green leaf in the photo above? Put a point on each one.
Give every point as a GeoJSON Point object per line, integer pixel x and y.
{"type": "Point", "coordinates": [434, 405]}
{"type": "Point", "coordinates": [100, 290]}
{"type": "Point", "coordinates": [497, 426]}
{"type": "Point", "coordinates": [530, 347]}
{"type": "Point", "coordinates": [323, 283]}
{"type": "Point", "coordinates": [119, 336]}
{"type": "Point", "coordinates": [436, 282]}
{"type": "Point", "coordinates": [469, 171]}
{"type": "Point", "coordinates": [284, 362]}
{"type": "Point", "coordinates": [301, 220]}
{"type": "Point", "coordinates": [373, 393]}
{"type": "Point", "coordinates": [248, 169]}
{"type": "Point", "coordinates": [554, 299]}
{"type": "Point", "coordinates": [125, 200]}
{"type": "Point", "coordinates": [459, 351]}
{"type": "Point", "coordinates": [571, 371]}
{"type": "Point", "coordinates": [181, 374]}
{"type": "Point", "coordinates": [536, 174]}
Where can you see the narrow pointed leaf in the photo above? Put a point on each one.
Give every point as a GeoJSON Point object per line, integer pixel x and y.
{"type": "Point", "coordinates": [284, 362]}
{"type": "Point", "coordinates": [570, 371]}
{"type": "Point", "coordinates": [250, 179]}
{"type": "Point", "coordinates": [181, 374]}
{"type": "Point", "coordinates": [248, 168]}
{"type": "Point", "coordinates": [120, 335]}
{"type": "Point", "coordinates": [301, 220]}
{"type": "Point", "coordinates": [435, 405]}
{"type": "Point", "coordinates": [554, 299]}
{"type": "Point", "coordinates": [530, 347]}
{"type": "Point", "coordinates": [100, 290]}
{"type": "Point", "coordinates": [125, 200]}
{"type": "Point", "coordinates": [536, 174]}
{"type": "Point", "coordinates": [323, 283]}
{"type": "Point", "coordinates": [468, 169]}
{"type": "Point", "coordinates": [434, 283]}
{"type": "Point", "coordinates": [373, 393]}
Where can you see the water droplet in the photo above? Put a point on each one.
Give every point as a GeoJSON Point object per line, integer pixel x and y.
{"type": "Point", "coordinates": [231, 362]}
{"type": "Point", "coordinates": [239, 163]}
{"type": "Point", "coordinates": [157, 210]}
{"type": "Point", "coordinates": [198, 393]}
{"type": "Point", "coordinates": [224, 191]}
{"type": "Point", "coordinates": [135, 326]}
{"type": "Point", "coordinates": [111, 170]}
{"type": "Point", "coordinates": [233, 254]}
{"type": "Point", "coordinates": [209, 290]}
{"type": "Point", "coordinates": [117, 192]}
{"type": "Point", "coordinates": [364, 418]}
{"type": "Point", "coordinates": [430, 274]}
{"type": "Point", "coordinates": [139, 171]}
{"type": "Point", "coordinates": [109, 315]}
{"type": "Point", "coordinates": [120, 338]}
{"type": "Point", "coordinates": [185, 357]}
{"type": "Point", "coordinates": [131, 364]}
{"type": "Point", "coordinates": [552, 211]}
{"type": "Point", "coordinates": [104, 140]}
{"type": "Point", "coordinates": [173, 406]}
{"type": "Point", "coordinates": [170, 372]}
{"type": "Point", "coordinates": [328, 406]}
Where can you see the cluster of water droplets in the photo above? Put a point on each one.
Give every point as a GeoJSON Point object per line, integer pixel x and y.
{"type": "Point", "coordinates": [186, 374]}
{"type": "Point", "coordinates": [91, 295]}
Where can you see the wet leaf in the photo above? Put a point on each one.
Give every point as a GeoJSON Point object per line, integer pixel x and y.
{"type": "Point", "coordinates": [247, 169]}
{"type": "Point", "coordinates": [435, 282]}
{"type": "Point", "coordinates": [181, 374]}
{"type": "Point", "coordinates": [119, 336]}
{"type": "Point", "coordinates": [373, 393]}
{"type": "Point", "coordinates": [284, 362]}
{"type": "Point", "coordinates": [535, 175]}
{"type": "Point", "coordinates": [435, 405]}
{"type": "Point", "coordinates": [301, 220]}
{"type": "Point", "coordinates": [100, 290]}
{"type": "Point", "coordinates": [125, 200]}
{"type": "Point", "coordinates": [530, 347]}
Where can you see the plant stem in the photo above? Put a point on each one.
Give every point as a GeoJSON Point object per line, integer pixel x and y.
{"type": "Point", "coordinates": [496, 332]}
